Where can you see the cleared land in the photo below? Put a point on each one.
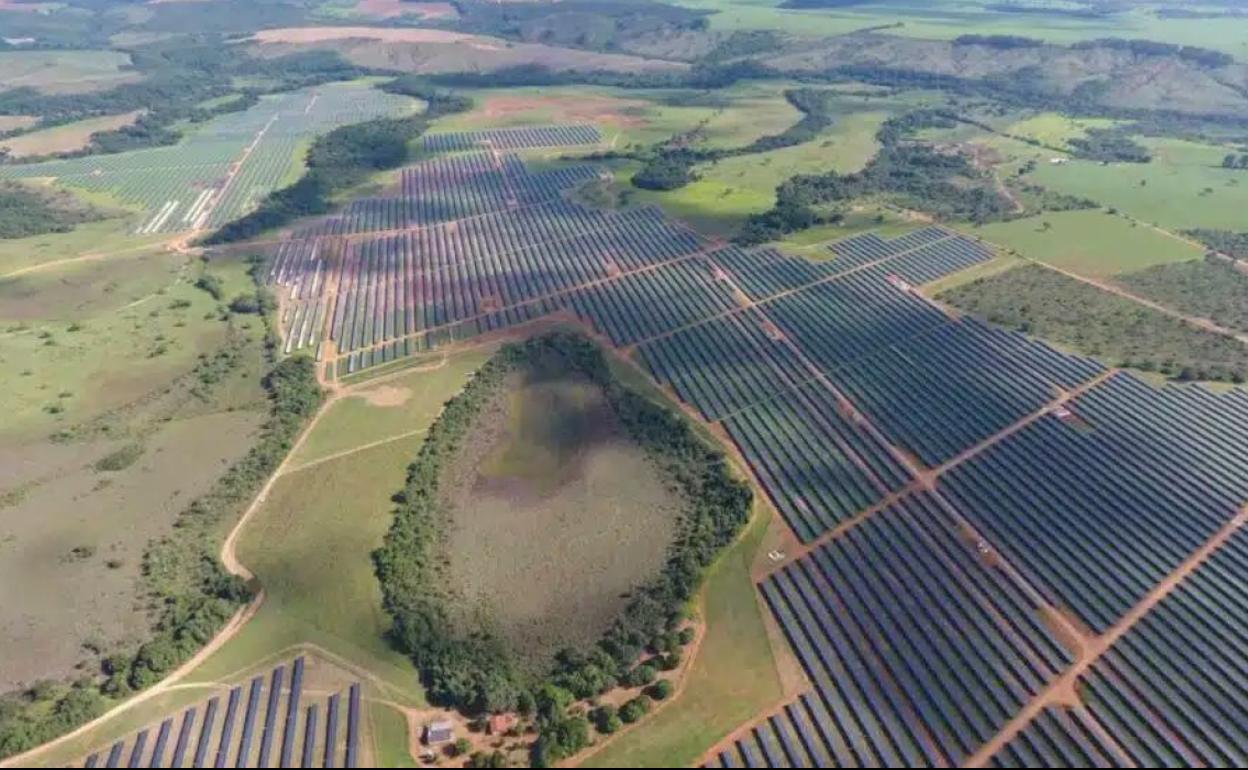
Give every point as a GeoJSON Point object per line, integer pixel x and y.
{"type": "Point", "coordinates": [66, 138]}
{"type": "Point", "coordinates": [1090, 242]}
{"type": "Point", "coordinates": [430, 51]}
{"type": "Point", "coordinates": [11, 122]}
{"type": "Point", "coordinates": [66, 72]}
{"type": "Point", "coordinates": [555, 516]}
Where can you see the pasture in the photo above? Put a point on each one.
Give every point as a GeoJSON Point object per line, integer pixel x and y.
{"type": "Point", "coordinates": [554, 517]}
{"type": "Point", "coordinates": [946, 19]}
{"type": "Point", "coordinates": [1183, 187]}
{"type": "Point", "coordinates": [66, 72]}
{"type": "Point", "coordinates": [1090, 242]}
{"type": "Point", "coordinates": [65, 138]}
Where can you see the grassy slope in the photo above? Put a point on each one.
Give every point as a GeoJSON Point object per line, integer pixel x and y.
{"type": "Point", "coordinates": [945, 19]}
{"type": "Point", "coordinates": [732, 679]}
{"type": "Point", "coordinates": [65, 71]}
{"type": "Point", "coordinates": [354, 421]}
{"type": "Point", "coordinates": [1090, 242]}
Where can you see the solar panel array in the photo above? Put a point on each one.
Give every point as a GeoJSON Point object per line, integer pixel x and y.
{"type": "Point", "coordinates": [272, 722]}
{"type": "Point", "coordinates": [518, 138]}
{"type": "Point", "coordinates": [968, 499]}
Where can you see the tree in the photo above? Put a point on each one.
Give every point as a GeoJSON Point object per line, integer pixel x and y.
{"type": "Point", "coordinates": [635, 709]}
{"type": "Point", "coordinates": [462, 747]}
{"type": "Point", "coordinates": [660, 690]}
{"type": "Point", "coordinates": [607, 719]}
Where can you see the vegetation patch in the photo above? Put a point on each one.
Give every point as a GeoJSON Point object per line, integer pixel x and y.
{"type": "Point", "coordinates": [1043, 302]}
{"type": "Point", "coordinates": [478, 669]}
{"type": "Point", "coordinates": [1228, 242]}
{"type": "Point", "coordinates": [26, 212]}
{"type": "Point", "coordinates": [1211, 288]}
{"type": "Point", "coordinates": [119, 459]}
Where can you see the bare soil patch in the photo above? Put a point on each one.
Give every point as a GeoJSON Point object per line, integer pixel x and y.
{"type": "Point", "coordinates": [11, 122]}
{"type": "Point", "coordinates": [386, 396]}
{"type": "Point", "coordinates": [66, 138]}
{"type": "Point", "coordinates": [579, 109]}
{"type": "Point", "coordinates": [555, 516]}
{"type": "Point", "coordinates": [384, 34]}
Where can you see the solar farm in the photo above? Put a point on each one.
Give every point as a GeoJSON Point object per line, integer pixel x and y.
{"type": "Point", "coordinates": [222, 170]}
{"type": "Point", "coordinates": [270, 722]}
{"type": "Point", "coordinates": [1001, 553]}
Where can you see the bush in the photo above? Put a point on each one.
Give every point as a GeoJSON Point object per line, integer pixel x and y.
{"type": "Point", "coordinates": [660, 690]}
{"type": "Point", "coordinates": [634, 709]}
{"type": "Point", "coordinates": [642, 675]}
{"type": "Point", "coordinates": [119, 459]}
{"type": "Point", "coordinates": [607, 719]}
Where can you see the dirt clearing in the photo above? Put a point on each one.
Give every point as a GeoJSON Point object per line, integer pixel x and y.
{"type": "Point", "coordinates": [66, 138]}
{"type": "Point", "coordinates": [582, 108]}
{"type": "Point", "coordinates": [384, 34]}
{"type": "Point", "coordinates": [555, 517]}
{"type": "Point", "coordinates": [386, 396]}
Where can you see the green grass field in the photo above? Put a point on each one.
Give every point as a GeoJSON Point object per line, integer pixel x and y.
{"type": "Point", "coordinates": [1090, 242]}
{"type": "Point", "coordinates": [731, 681]}
{"type": "Point", "coordinates": [945, 19]}
{"type": "Point", "coordinates": [68, 72]}
{"type": "Point", "coordinates": [1183, 187]}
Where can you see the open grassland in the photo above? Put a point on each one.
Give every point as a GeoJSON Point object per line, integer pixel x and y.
{"type": "Point", "coordinates": [730, 190]}
{"type": "Point", "coordinates": [65, 72]}
{"type": "Point", "coordinates": [733, 677]}
{"type": "Point", "coordinates": [1090, 242]}
{"type": "Point", "coordinates": [71, 548]}
{"type": "Point", "coordinates": [400, 405]}
{"type": "Point", "coordinates": [1054, 129]}
{"type": "Point", "coordinates": [555, 516]}
{"type": "Point", "coordinates": [88, 242]}
{"type": "Point", "coordinates": [14, 122]}
{"type": "Point", "coordinates": [66, 138]}
{"type": "Point", "coordinates": [310, 547]}
{"type": "Point", "coordinates": [88, 337]}
{"type": "Point", "coordinates": [1183, 187]}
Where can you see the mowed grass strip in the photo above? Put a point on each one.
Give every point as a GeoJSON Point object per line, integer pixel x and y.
{"type": "Point", "coordinates": [732, 679]}
{"type": "Point", "coordinates": [395, 405]}
{"type": "Point", "coordinates": [1088, 242]}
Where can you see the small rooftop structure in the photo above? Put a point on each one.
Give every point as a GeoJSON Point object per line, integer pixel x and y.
{"type": "Point", "coordinates": [436, 733]}
{"type": "Point", "coordinates": [499, 724]}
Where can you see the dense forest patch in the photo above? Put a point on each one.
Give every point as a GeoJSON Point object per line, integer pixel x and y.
{"type": "Point", "coordinates": [1212, 288]}
{"type": "Point", "coordinates": [25, 212]}
{"type": "Point", "coordinates": [1119, 331]}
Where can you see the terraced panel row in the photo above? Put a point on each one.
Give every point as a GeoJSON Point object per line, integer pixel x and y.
{"type": "Point", "coordinates": [1099, 506]}
{"type": "Point", "coordinates": [1173, 688]}
{"type": "Point", "coordinates": [947, 388]}
{"type": "Point", "coordinates": [517, 138]}
{"type": "Point", "coordinates": [725, 365]}
{"type": "Point", "coordinates": [919, 648]}
{"type": "Point", "coordinates": [818, 466]}
{"type": "Point", "coordinates": [207, 736]}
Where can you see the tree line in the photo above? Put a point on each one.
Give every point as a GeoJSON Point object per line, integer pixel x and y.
{"type": "Point", "coordinates": [472, 670]}
{"type": "Point", "coordinates": [343, 158]}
